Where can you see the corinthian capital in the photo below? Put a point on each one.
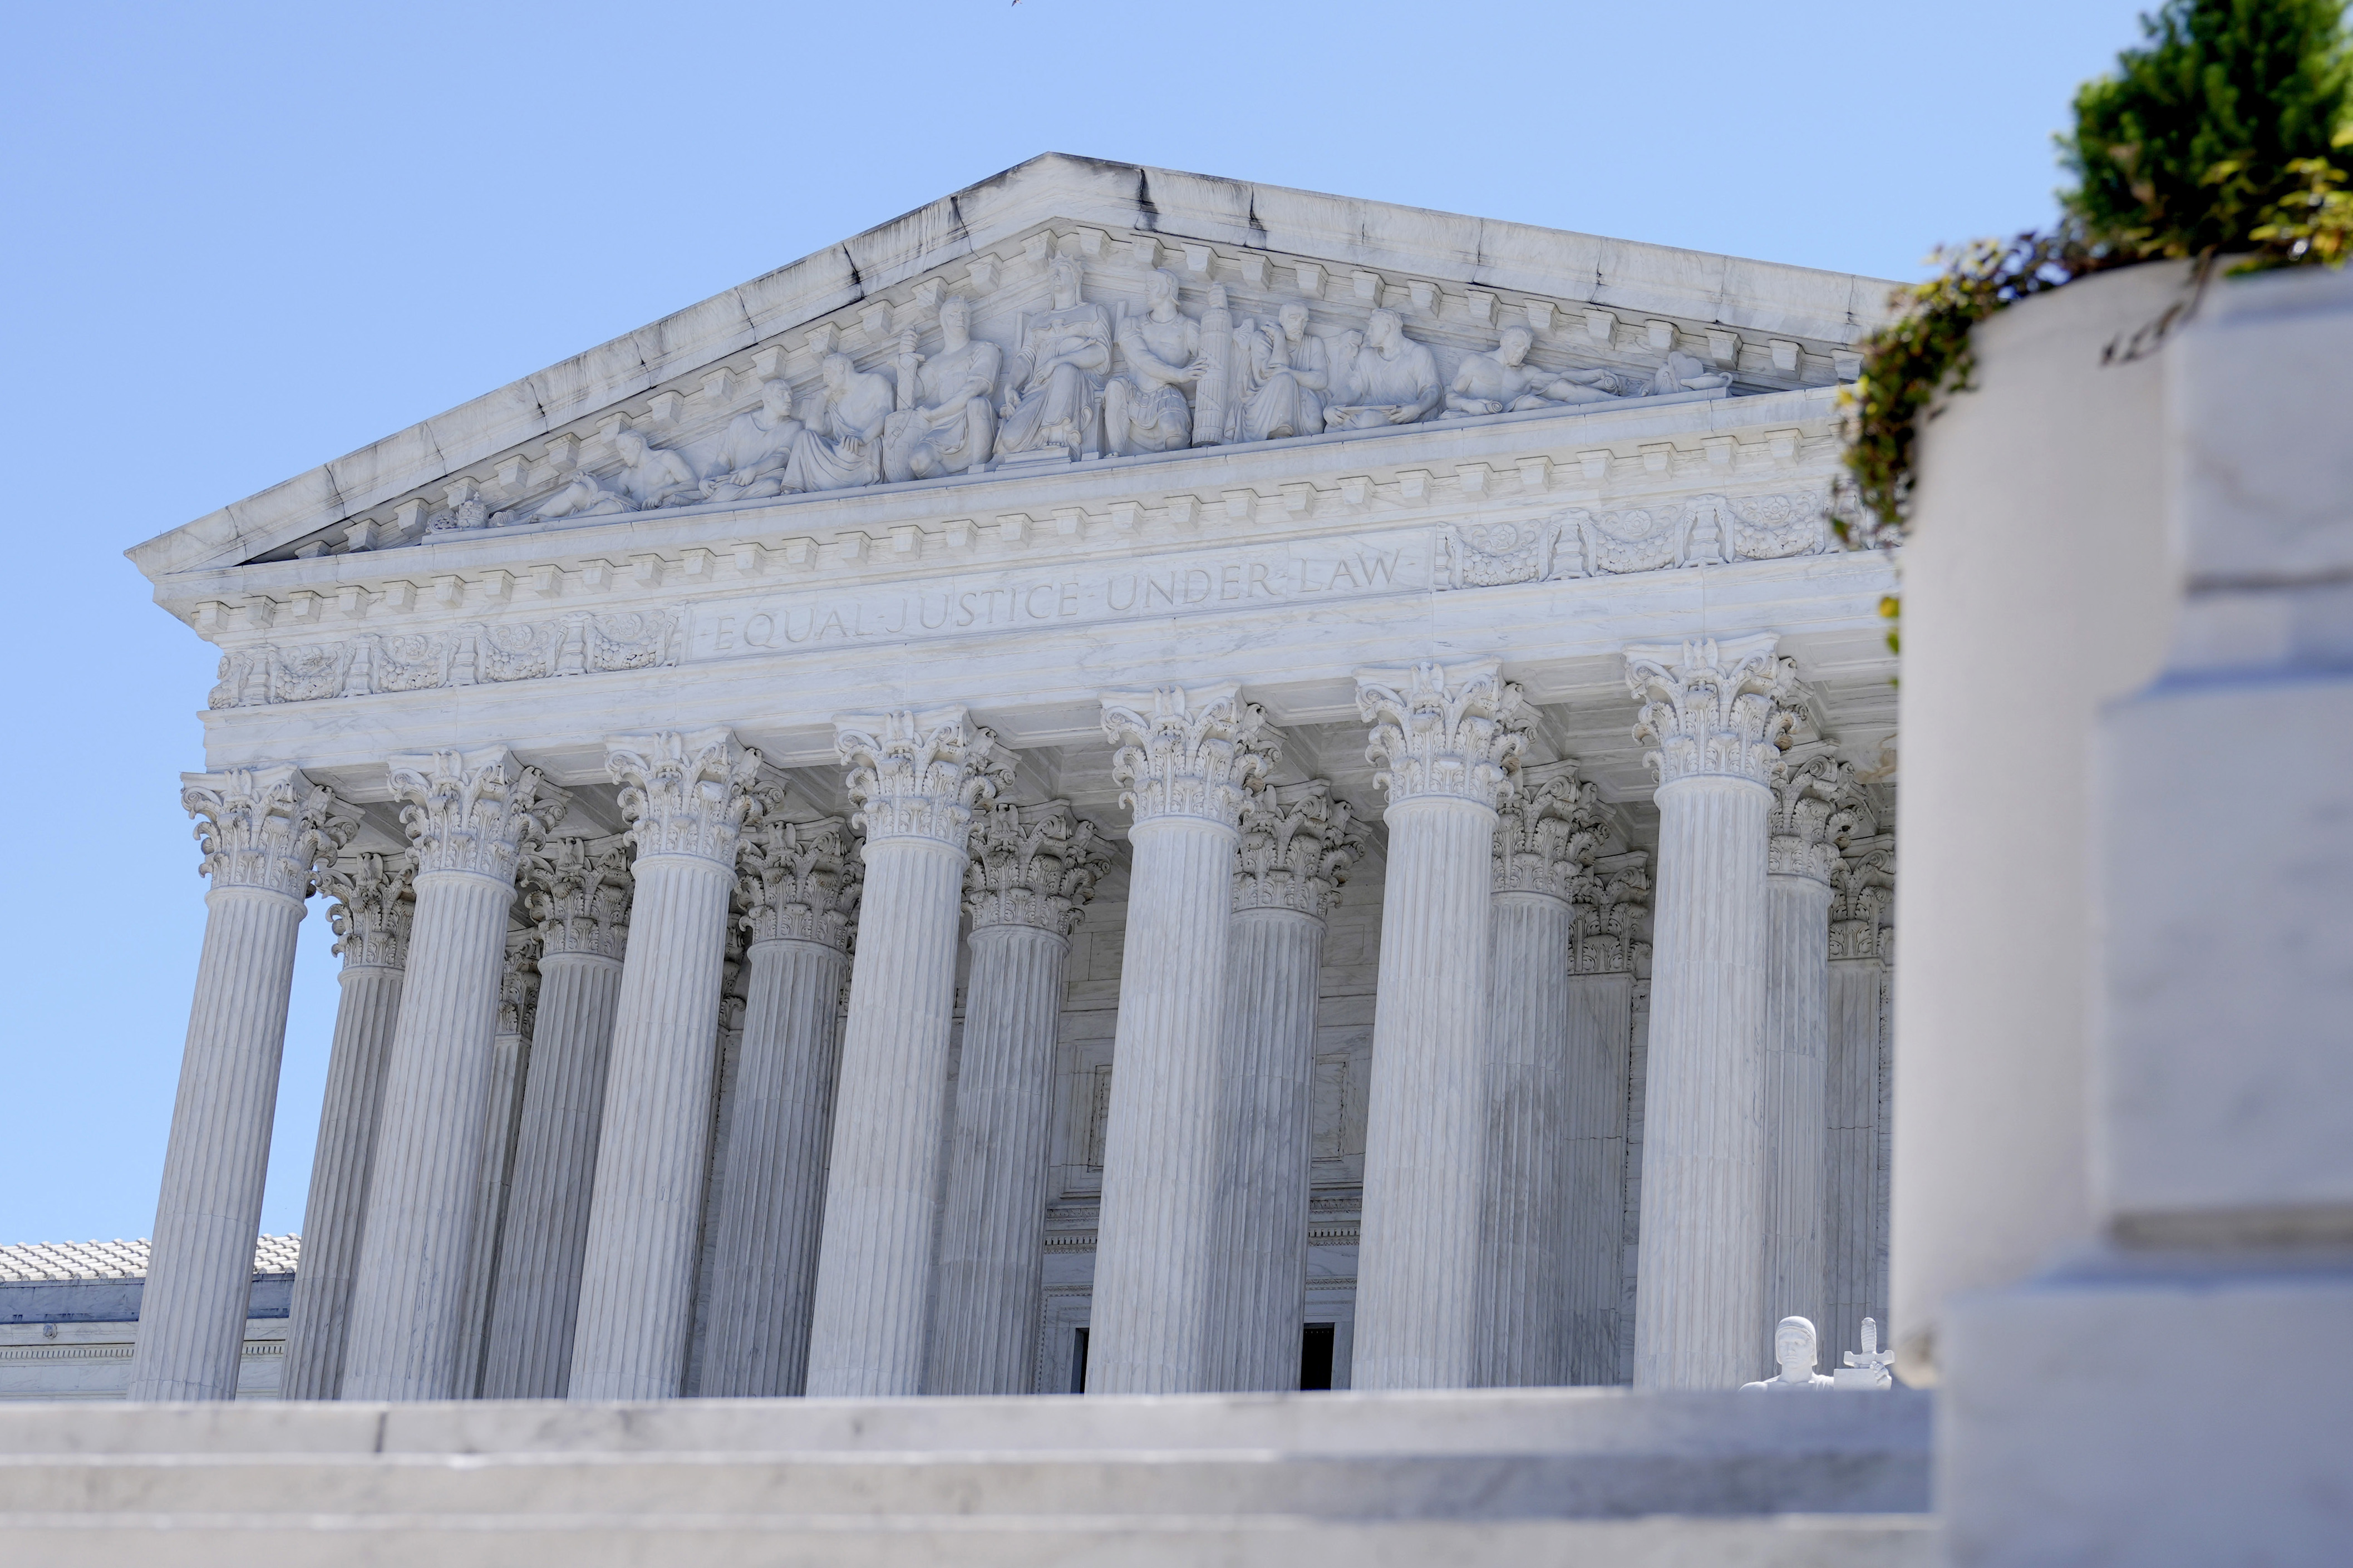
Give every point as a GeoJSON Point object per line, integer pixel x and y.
{"type": "Point", "coordinates": [1711, 707]}
{"type": "Point", "coordinates": [1033, 865]}
{"type": "Point", "coordinates": [800, 881]}
{"type": "Point", "coordinates": [685, 794]}
{"type": "Point", "coordinates": [372, 909]}
{"type": "Point", "coordinates": [918, 775]}
{"type": "Point", "coordinates": [1442, 729]}
{"type": "Point", "coordinates": [1811, 812]}
{"type": "Point", "coordinates": [577, 890]}
{"type": "Point", "coordinates": [1862, 895]}
{"type": "Point", "coordinates": [1298, 843]}
{"type": "Point", "coordinates": [1196, 752]}
{"type": "Point", "coordinates": [1546, 832]}
{"type": "Point", "coordinates": [473, 811]}
{"type": "Point", "coordinates": [1610, 899]}
{"type": "Point", "coordinates": [519, 984]}
{"type": "Point", "coordinates": [267, 827]}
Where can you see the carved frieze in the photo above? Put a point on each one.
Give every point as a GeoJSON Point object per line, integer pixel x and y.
{"type": "Point", "coordinates": [577, 642]}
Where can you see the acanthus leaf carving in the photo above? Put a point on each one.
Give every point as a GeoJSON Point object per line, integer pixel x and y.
{"type": "Point", "coordinates": [918, 775]}
{"type": "Point", "coordinates": [1298, 843]}
{"type": "Point", "coordinates": [373, 902]}
{"type": "Point", "coordinates": [519, 984]}
{"type": "Point", "coordinates": [685, 793]}
{"type": "Point", "coordinates": [475, 811]}
{"type": "Point", "coordinates": [799, 881]}
{"type": "Point", "coordinates": [1863, 902]}
{"type": "Point", "coordinates": [1547, 830]}
{"type": "Point", "coordinates": [1034, 866]}
{"type": "Point", "coordinates": [1811, 812]}
{"type": "Point", "coordinates": [1179, 751]}
{"type": "Point", "coordinates": [1609, 899]}
{"type": "Point", "coordinates": [577, 891]}
{"type": "Point", "coordinates": [266, 827]}
{"type": "Point", "coordinates": [1443, 729]}
{"type": "Point", "coordinates": [1712, 708]}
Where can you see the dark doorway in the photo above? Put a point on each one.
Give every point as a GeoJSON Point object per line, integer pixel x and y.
{"type": "Point", "coordinates": [1079, 1361]}
{"type": "Point", "coordinates": [1314, 1355]}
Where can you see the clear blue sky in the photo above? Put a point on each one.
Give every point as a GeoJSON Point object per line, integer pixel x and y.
{"type": "Point", "coordinates": [248, 238]}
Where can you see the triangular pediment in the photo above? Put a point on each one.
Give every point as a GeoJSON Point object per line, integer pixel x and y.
{"type": "Point", "coordinates": [1605, 311]}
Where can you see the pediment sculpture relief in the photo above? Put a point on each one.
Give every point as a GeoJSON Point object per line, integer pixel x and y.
{"type": "Point", "coordinates": [1076, 379]}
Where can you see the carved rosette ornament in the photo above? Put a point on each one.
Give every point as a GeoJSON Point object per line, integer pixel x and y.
{"type": "Point", "coordinates": [918, 775]}
{"type": "Point", "coordinates": [1297, 845]}
{"type": "Point", "coordinates": [1862, 896]}
{"type": "Point", "coordinates": [1610, 899]}
{"type": "Point", "coordinates": [1450, 729]}
{"type": "Point", "coordinates": [1546, 832]}
{"type": "Point", "coordinates": [799, 881]}
{"type": "Point", "coordinates": [473, 811]}
{"type": "Point", "coordinates": [269, 828]}
{"type": "Point", "coordinates": [577, 891]}
{"type": "Point", "coordinates": [1033, 865]}
{"type": "Point", "coordinates": [1200, 752]}
{"type": "Point", "coordinates": [687, 794]}
{"type": "Point", "coordinates": [519, 984]}
{"type": "Point", "coordinates": [1811, 815]}
{"type": "Point", "coordinates": [374, 903]}
{"type": "Point", "coordinates": [1712, 708]}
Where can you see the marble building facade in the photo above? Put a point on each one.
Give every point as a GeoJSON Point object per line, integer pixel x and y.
{"type": "Point", "coordinates": [1128, 776]}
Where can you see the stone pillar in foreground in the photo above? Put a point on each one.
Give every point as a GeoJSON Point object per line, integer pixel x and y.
{"type": "Point", "coordinates": [1854, 1168]}
{"type": "Point", "coordinates": [1444, 737]}
{"type": "Point", "coordinates": [510, 1069]}
{"type": "Point", "coordinates": [1032, 870]}
{"type": "Point", "coordinates": [1297, 844]}
{"type": "Point", "coordinates": [267, 832]}
{"type": "Point", "coordinates": [370, 923]}
{"type": "Point", "coordinates": [1806, 820]}
{"type": "Point", "coordinates": [1605, 952]}
{"type": "Point", "coordinates": [578, 893]}
{"type": "Point", "coordinates": [687, 798]}
{"type": "Point", "coordinates": [1543, 834]}
{"type": "Point", "coordinates": [1709, 710]}
{"type": "Point", "coordinates": [472, 816]}
{"type": "Point", "coordinates": [799, 885]}
{"type": "Point", "coordinates": [915, 778]}
{"type": "Point", "coordinates": [1189, 760]}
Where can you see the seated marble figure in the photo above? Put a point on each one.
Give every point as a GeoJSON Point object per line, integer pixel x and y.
{"type": "Point", "coordinates": [1059, 363]}
{"type": "Point", "coordinates": [1145, 410]}
{"type": "Point", "coordinates": [757, 445]}
{"type": "Point", "coordinates": [842, 446]}
{"type": "Point", "coordinates": [1504, 382]}
{"type": "Point", "coordinates": [1287, 376]}
{"type": "Point", "coordinates": [1392, 381]}
{"type": "Point", "coordinates": [1686, 372]}
{"type": "Point", "coordinates": [945, 422]}
{"type": "Point", "coordinates": [1794, 1349]}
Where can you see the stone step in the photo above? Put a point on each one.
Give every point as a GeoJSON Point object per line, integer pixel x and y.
{"type": "Point", "coordinates": [641, 1541]}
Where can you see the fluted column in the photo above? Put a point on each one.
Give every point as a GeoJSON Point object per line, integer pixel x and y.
{"type": "Point", "coordinates": [687, 798]}
{"type": "Point", "coordinates": [798, 887]}
{"type": "Point", "coordinates": [509, 1071]}
{"type": "Point", "coordinates": [1443, 737]}
{"type": "Point", "coordinates": [265, 832]}
{"type": "Point", "coordinates": [1189, 760]}
{"type": "Point", "coordinates": [1854, 1169]}
{"type": "Point", "coordinates": [1543, 834]}
{"type": "Point", "coordinates": [1800, 850]}
{"type": "Point", "coordinates": [577, 892]}
{"type": "Point", "coordinates": [1298, 842]}
{"type": "Point", "coordinates": [370, 917]}
{"type": "Point", "coordinates": [1709, 711]}
{"type": "Point", "coordinates": [1031, 872]}
{"type": "Point", "coordinates": [1608, 901]}
{"type": "Point", "coordinates": [472, 816]}
{"type": "Point", "coordinates": [915, 778]}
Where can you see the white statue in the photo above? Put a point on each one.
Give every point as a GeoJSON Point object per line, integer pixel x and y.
{"type": "Point", "coordinates": [1288, 376]}
{"type": "Point", "coordinates": [1058, 371]}
{"type": "Point", "coordinates": [654, 476]}
{"type": "Point", "coordinates": [1793, 1347]}
{"type": "Point", "coordinates": [1870, 1369]}
{"type": "Point", "coordinates": [1505, 381]}
{"type": "Point", "coordinates": [1145, 410]}
{"type": "Point", "coordinates": [582, 495]}
{"type": "Point", "coordinates": [944, 423]}
{"type": "Point", "coordinates": [757, 445]}
{"type": "Point", "coordinates": [1393, 382]}
{"type": "Point", "coordinates": [842, 446]}
{"type": "Point", "coordinates": [1686, 372]}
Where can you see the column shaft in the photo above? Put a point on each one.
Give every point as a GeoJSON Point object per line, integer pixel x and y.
{"type": "Point", "coordinates": [772, 1196]}
{"type": "Point", "coordinates": [1425, 1136]}
{"type": "Point", "coordinates": [992, 1243]}
{"type": "Point", "coordinates": [1855, 1267]}
{"type": "Point", "coordinates": [200, 1264]}
{"type": "Point", "coordinates": [870, 1320]}
{"type": "Point", "coordinates": [510, 1068]}
{"type": "Point", "coordinates": [1601, 1036]}
{"type": "Point", "coordinates": [1274, 964]}
{"type": "Point", "coordinates": [1525, 1296]}
{"type": "Point", "coordinates": [536, 1298]}
{"type": "Point", "coordinates": [1797, 1000]}
{"type": "Point", "coordinates": [1699, 1315]}
{"type": "Point", "coordinates": [636, 1295]}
